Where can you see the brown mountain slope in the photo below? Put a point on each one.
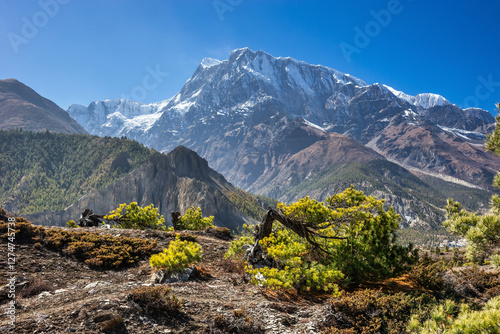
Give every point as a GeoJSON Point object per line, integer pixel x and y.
{"type": "Point", "coordinates": [329, 149]}
{"type": "Point", "coordinates": [22, 107]}
{"type": "Point", "coordinates": [421, 146]}
{"type": "Point", "coordinates": [288, 159]}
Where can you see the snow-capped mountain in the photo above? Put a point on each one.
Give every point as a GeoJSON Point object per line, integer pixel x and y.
{"type": "Point", "coordinates": [236, 112]}
{"type": "Point", "coordinates": [233, 89]}
{"type": "Point", "coordinates": [424, 101]}
{"type": "Point", "coordinates": [117, 117]}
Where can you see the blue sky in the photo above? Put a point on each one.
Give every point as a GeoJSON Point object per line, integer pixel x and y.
{"type": "Point", "coordinates": [75, 51]}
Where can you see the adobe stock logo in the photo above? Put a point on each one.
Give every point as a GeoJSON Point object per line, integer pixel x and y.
{"type": "Point", "coordinates": [150, 82]}
{"type": "Point", "coordinates": [31, 26]}
{"type": "Point", "coordinates": [222, 6]}
{"type": "Point", "coordinates": [484, 89]}
{"type": "Point", "coordinates": [372, 29]}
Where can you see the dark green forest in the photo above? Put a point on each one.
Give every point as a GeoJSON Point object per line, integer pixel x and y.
{"type": "Point", "coordinates": [50, 171]}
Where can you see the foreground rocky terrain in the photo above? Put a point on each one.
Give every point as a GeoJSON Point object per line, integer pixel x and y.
{"type": "Point", "coordinates": [78, 297]}
{"type": "Point", "coordinates": [58, 292]}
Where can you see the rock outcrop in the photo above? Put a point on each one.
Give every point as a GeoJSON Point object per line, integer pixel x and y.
{"type": "Point", "coordinates": [171, 182]}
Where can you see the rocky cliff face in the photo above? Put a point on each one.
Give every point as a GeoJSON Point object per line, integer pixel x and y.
{"type": "Point", "coordinates": [22, 107]}
{"type": "Point", "coordinates": [171, 182]}
{"type": "Point", "coordinates": [439, 150]}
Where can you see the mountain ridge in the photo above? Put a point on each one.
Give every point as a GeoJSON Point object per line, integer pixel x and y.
{"type": "Point", "coordinates": [172, 182]}
{"type": "Point", "coordinates": [238, 112]}
{"type": "Point", "coordinates": [22, 107]}
{"type": "Point", "coordinates": [53, 177]}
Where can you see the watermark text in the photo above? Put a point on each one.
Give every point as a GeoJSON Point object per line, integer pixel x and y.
{"type": "Point", "coordinates": [484, 89]}
{"type": "Point", "coordinates": [31, 25]}
{"type": "Point", "coordinates": [153, 78]}
{"type": "Point", "coordinates": [11, 271]}
{"type": "Point", "coordinates": [363, 37]}
{"type": "Point", "coordinates": [223, 6]}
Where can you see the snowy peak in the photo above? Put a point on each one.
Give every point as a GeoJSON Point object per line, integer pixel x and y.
{"type": "Point", "coordinates": [429, 100]}
{"type": "Point", "coordinates": [235, 107]}
{"type": "Point", "coordinates": [209, 62]}
{"type": "Point", "coordinates": [252, 85]}
{"type": "Point", "coordinates": [116, 117]}
{"type": "Point", "coordinates": [424, 100]}
{"type": "Point", "coordinates": [266, 64]}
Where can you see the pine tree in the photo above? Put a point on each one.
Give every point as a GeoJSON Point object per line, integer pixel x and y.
{"type": "Point", "coordinates": [482, 232]}
{"type": "Point", "coordinates": [133, 216]}
{"type": "Point", "coordinates": [349, 238]}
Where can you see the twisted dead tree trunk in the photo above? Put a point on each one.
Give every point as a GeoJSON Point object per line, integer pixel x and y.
{"type": "Point", "coordinates": [303, 229]}
{"type": "Point", "coordinates": [176, 218]}
{"type": "Point", "coordinates": [89, 219]}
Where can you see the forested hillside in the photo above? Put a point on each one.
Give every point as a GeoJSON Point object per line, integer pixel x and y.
{"type": "Point", "coordinates": [49, 171]}
{"type": "Point", "coordinates": [44, 173]}
{"type": "Point", "coordinates": [419, 199]}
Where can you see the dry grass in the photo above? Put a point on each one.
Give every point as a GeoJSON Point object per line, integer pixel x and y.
{"type": "Point", "coordinates": [34, 287]}
{"type": "Point", "coordinates": [156, 301]}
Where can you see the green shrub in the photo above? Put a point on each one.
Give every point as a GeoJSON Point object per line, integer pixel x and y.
{"type": "Point", "coordinates": [298, 268]}
{"type": "Point", "coordinates": [495, 260]}
{"type": "Point", "coordinates": [248, 230]}
{"type": "Point", "coordinates": [448, 318]}
{"type": "Point", "coordinates": [351, 239]}
{"type": "Point", "coordinates": [98, 250]}
{"type": "Point", "coordinates": [25, 232]}
{"type": "Point", "coordinates": [71, 223]}
{"type": "Point", "coordinates": [235, 250]}
{"type": "Point", "coordinates": [178, 256]}
{"type": "Point", "coordinates": [137, 217]}
{"type": "Point", "coordinates": [193, 220]}
{"type": "Point", "coordinates": [371, 311]}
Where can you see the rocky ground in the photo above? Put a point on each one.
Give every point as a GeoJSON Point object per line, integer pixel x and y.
{"type": "Point", "coordinates": [83, 300]}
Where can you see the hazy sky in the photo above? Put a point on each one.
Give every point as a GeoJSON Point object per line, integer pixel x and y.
{"type": "Point", "coordinates": [77, 51]}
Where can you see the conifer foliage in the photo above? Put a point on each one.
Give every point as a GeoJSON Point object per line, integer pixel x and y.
{"type": "Point", "coordinates": [349, 238]}
{"type": "Point", "coordinates": [50, 171]}
{"type": "Point", "coordinates": [179, 255]}
{"type": "Point", "coordinates": [193, 220]}
{"type": "Point", "coordinates": [482, 232]}
{"type": "Point", "coordinates": [133, 216]}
